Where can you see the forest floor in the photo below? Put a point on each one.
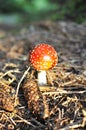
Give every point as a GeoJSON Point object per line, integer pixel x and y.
{"type": "Point", "coordinates": [65, 95]}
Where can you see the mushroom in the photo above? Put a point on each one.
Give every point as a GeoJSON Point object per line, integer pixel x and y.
{"type": "Point", "coordinates": [43, 57]}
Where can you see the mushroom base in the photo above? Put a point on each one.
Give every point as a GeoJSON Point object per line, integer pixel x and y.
{"type": "Point", "coordinates": [42, 79]}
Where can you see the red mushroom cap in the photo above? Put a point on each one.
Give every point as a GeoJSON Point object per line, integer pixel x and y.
{"type": "Point", "coordinates": [43, 57]}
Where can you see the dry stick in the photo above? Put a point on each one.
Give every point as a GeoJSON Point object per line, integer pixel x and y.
{"type": "Point", "coordinates": [64, 92]}
{"type": "Point", "coordinates": [12, 121]}
{"type": "Point", "coordinates": [17, 90]}
{"type": "Point", "coordinates": [69, 82]}
{"type": "Point", "coordinates": [25, 121]}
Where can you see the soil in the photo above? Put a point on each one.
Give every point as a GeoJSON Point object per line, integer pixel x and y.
{"type": "Point", "coordinates": [64, 98]}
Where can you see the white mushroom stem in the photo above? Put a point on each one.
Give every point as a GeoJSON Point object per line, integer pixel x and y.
{"type": "Point", "coordinates": [42, 79]}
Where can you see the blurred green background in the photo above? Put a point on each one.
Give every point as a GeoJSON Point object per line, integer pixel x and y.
{"type": "Point", "coordinates": [24, 11]}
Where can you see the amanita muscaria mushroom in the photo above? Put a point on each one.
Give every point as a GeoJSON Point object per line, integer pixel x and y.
{"type": "Point", "coordinates": [43, 57]}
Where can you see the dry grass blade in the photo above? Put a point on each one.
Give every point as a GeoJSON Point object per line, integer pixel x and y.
{"type": "Point", "coordinates": [18, 86]}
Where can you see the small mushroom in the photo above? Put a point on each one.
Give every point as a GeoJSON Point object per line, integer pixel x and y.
{"type": "Point", "coordinates": [43, 57]}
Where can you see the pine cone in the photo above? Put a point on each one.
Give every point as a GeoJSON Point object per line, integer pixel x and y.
{"type": "Point", "coordinates": [6, 102]}
{"type": "Point", "coordinates": [36, 101]}
{"type": "Point", "coordinates": [6, 99]}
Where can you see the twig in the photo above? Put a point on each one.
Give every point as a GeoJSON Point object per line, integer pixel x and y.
{"type": "Point", "coordinates": [64, 92]}
{"type": "Point", "coordinates": [68, 83]}
{"type": "Point", "coordinates": [25, 121]}
{"type": "Point", "coordinates": [17, 90]}
{"type": "Point", "coordinates": [12, 121]}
